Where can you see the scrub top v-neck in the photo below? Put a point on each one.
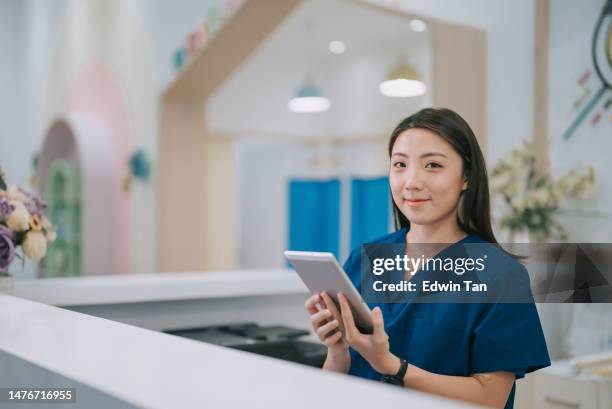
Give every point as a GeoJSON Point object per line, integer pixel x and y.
{"type": "Point", "coordinates": [458, 339]}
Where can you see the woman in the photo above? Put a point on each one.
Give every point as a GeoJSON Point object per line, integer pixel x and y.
{"type": "Point", "coordinates": [467, 351]}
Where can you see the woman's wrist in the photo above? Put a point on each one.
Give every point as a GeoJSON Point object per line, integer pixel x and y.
{"type": "Point", "coordinates": [389, 365]}
{"type": "Point", "coordinates": [338, 360]}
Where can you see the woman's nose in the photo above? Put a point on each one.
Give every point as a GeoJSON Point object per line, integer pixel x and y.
{"type": "Point", "coordinates": [413, 179]}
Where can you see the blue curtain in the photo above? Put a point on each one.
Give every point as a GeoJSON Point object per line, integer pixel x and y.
{"type": "Point", "coordinates": [314, 215]}
{"type": "Point", "coordinates": [370, 209]}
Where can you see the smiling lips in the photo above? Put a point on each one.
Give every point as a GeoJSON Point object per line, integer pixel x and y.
{"type": "Point", "coordinates": [415, 202]}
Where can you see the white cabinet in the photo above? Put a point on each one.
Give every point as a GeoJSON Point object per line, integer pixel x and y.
{"type": "Point", "coordinates": [558, 387]}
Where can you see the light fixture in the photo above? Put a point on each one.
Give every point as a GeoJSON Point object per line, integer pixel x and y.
{"type": "Point", "coordinates": [403, 82]}
{"type": "Point", "coordinates": [418, 25]}
{"type": "Point", "coordinates": [309, 99]}
{"type": "Point", "coordinates": [337, 47]}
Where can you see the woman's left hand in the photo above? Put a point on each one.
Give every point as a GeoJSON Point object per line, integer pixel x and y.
{"type": "Point", "coordinates": [375, 347]}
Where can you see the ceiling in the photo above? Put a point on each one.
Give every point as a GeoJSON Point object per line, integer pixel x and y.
{"type": "Point", "coordinates": [254, 99]}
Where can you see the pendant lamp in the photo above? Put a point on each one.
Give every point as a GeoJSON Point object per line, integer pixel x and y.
{"type": "Point", "coordinates": [403, 81]}
{"type": "Point", "coordinates": [308, 99]}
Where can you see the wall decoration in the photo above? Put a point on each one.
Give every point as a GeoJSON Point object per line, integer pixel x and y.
{"type": "Point", "coordinates": [78, 173]}
{"type": "Point", "coordinates": [216, 16]}
{"type": "Point", "coordinates": [140, 168]}
{"type": "Point", "coordinates": [113, 83]}
{"type": "Point", "coordinates": [64, 208]}
{"type": "Point", "coordinates": [601, 51]}
{"type": "Point", "coordinates": [179, 58]}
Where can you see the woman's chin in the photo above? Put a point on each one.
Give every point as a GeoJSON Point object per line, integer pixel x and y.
{"type": "Point", "coordinates": [416, 217]}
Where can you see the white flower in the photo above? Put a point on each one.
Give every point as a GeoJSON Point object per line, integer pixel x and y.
{"type": "Point", "coordinates": [511, 189]}
{"type": "Point", "coordinates": [559, 191]}
{"type": "Point", "coordinates": [34, 245]}
{"type": "Point", "coordinates": [516, 162]}
{"type": "Point", "coordinates": [585, 188]}
{"type": "Point", "coordinates": [518, 203]}
{"type": "Point", "coordinates": [51, 236]}
{"type": "Point", "coordinates": [540, 196]}
{"type": "Point", "coordinates": [15, 193]}
{"type": "Point", "coordinates": [46, 224]}
{"type": "Point", "coordinates": [19, 219]}
{"type": "Point", "coordinates": [529, 151]}
{"type": "Point", "coordinates": [500, 181]}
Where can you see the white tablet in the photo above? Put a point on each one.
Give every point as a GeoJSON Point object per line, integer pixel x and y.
{"type": "Point", "coordinates": [321, 272]}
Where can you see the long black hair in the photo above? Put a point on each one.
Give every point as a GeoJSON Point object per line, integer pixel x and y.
{"type": "Point", "coordinates": [474, 211]}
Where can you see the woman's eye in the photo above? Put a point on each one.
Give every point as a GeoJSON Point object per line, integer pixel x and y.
{"type": "Point", "coordinates": [432, 165]}
{"type": "Point", "coordinates": [399, 165]}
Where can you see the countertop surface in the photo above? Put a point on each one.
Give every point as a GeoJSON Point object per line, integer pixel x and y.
{"type": "Point", "coordinates": [156, 370]}
{"type": "Point", "coordinates": [133, 288]}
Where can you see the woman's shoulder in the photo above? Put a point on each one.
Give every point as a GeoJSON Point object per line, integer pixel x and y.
{"type": "Point", "coordinates": [494, 252]}
{"type": "Point", "coordinates": [506, 275]}
{"type": "Point", "coordinates": [398, 236]}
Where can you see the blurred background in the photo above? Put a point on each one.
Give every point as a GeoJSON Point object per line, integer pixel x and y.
{"type": "Point", "coordinates": [211, 135]}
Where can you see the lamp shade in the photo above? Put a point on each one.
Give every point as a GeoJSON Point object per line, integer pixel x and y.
{"type": "Point", "coordinates": [403, 81]}
{"type": "Point", "coordinates": [308, 99]}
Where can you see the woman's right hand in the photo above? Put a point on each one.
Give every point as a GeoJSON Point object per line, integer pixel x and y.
{"type": "Point", "coordinates": [327, 324]}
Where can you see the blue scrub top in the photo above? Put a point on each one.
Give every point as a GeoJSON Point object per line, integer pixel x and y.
{"type": "Point", "coordinates": [458, 338]}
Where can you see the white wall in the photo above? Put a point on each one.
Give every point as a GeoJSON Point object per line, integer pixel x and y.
{"type": "Point", "coordinates": [264, 170]}
{"type": "Point", "coordinates": [13, 140]}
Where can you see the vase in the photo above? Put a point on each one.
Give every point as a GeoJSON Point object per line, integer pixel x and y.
{"type": "Point", "coordinates": [519, 236]}
{"type": "Point", "coordinates": [537, 237]}
{"type": "Point", "coordinates": [7, 282]}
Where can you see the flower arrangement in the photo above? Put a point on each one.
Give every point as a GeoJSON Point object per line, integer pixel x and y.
{"type": "Point", "coordinates": [22, 224]}
{"type": "Point", "coordinates": [532, 201]}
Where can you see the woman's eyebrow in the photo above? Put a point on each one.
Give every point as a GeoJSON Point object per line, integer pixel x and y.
{"type": "Point", "coordinates": [428, 154]}
{"type": "Point", "coordinates": [425, 155]}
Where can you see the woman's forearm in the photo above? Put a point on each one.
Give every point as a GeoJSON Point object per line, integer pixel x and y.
{"type": "Point", "coordinates": [491, 389]}
{"type": "Point", "coordinates": [337, 361]}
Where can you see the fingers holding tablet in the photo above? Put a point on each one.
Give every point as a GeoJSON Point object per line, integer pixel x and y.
{"type": "Point", "coordinates": [323, 276]}
{"type": "Point", "coordinates": [311, 304]}
{"type": "Point", "coordinates": [331, 306]}
{"type": "Point", "coordinates": [325, 320]}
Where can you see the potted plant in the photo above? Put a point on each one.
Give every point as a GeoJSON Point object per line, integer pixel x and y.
{"type": "Point", "coordinates": [23, 228]}
{"type": "Point", "coordinates": [531, 201]}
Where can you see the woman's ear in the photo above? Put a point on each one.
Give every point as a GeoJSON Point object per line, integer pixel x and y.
{"type": "Point", "coordinates": [464, 186]}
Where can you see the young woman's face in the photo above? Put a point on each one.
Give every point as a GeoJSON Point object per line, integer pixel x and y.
{"type": "Point", "coordinates": [426, 176]}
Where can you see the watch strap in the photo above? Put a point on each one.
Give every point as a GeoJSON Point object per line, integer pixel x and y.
{"type": "Point", "coordinates": [398, 378]}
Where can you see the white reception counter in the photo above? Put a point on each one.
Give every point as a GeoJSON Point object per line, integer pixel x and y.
{"type": "Point", "coordinates": [144, 368]}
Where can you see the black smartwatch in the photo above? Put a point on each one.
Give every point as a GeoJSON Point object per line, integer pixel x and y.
{"type": "Point", "coordinates": [398, 378]}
